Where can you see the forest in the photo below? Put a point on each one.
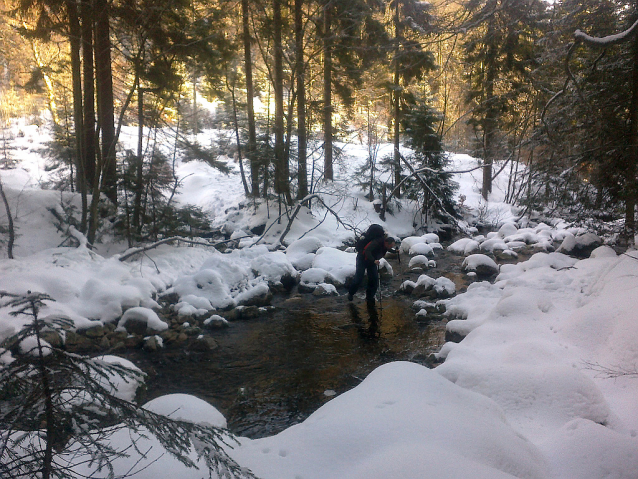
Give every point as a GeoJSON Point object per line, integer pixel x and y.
{"type": "Point", "coordinates": [183, 183]}
{"type": "Point", "coordinates": [546, 90]}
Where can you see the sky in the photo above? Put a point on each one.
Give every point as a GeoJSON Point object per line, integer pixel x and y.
{"type": "Point", "coordinates": [524, 395]}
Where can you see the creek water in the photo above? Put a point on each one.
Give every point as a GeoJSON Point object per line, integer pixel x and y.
{"type": "Point", "coordinates": [272, 372]}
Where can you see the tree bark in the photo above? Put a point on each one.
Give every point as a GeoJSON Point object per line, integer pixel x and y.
{"type": "Point", "coordinates": [489, 123]}
{"type": "Point", "coordinates": [250, 93]}
{"type": "Point", "coordinates": [301, 102]}
{"type": "Point", "coordinates": [632, 190]}
{"type": "Point", "coordinates": [88, 102]}
{"type": "Point", "coordinates": [9, 221]}
{"type": "Point", "coordinates": [281, 179]}
{"type": "Point", "coordinates": [106, 111]}
{"type": "Point", "coordinates": [396, 99]}
{"type": "Point", "coordinates": [75, 40]}
{"type": "Point", "coordinates": [327, 92]}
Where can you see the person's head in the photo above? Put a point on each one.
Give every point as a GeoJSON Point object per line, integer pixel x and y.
{"type": "Point", "coordinates": [389, 242]}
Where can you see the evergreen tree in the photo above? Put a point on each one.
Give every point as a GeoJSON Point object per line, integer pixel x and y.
{"type": "Point", "coordinates": [59, 410]}
{"type": "Point", "coordinates": [500, 51]}
{"type": "Point", "coordinates": [435, 190]}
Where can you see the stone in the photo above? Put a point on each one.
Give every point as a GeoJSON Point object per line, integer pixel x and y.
{"type": "Point", "coordinates": [77, 342]}
{"type": "Point", "coordinates": [153, 343]}
{"type": "Point", "coordinates": [105, 343]}
{"type": "Point", "coordinates": [203, 344]}
{"type": "Point", "coordinates": [259, 300]}
{"type": "Point", "coordinates": [215, 322]}
{"type": "Point", "coordinates": [324, 289]}
{"type": "Point", "coordinates": [169, 335]}
{"type": "Point", "coordinates": [94, 332]}
{"type": "Point", "coordinates": [53, 338]}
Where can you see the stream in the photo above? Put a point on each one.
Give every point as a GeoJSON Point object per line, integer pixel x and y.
{"type": "Point", "coordinates": [272, 372]}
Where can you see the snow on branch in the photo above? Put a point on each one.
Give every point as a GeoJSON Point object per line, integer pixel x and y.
{"type": "Point", "coordinates": [601, 42]}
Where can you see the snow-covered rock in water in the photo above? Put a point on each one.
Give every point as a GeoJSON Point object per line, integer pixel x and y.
{"type": "Point", "coordinates": [507, 229]}
{"type": "Point", "coordinates": [493, 245]}
{"type": "Point", "coordinates": [258, 295]}
{"type": "Point", "coordinates": [419, 262]}
{"type": "Point", "coordinates": [325, 289]}
{"type": "Point", "coordinates": [313, 277]}
{"type": "Point", "coordinates": [580, 246]}
{"type": "Point", "coordinates": [480, 264]}
{"type": "Point", "coordinates": [444, 287]}
{"type": "Point", "coordinates": [421, 249]}
{"type": "Point", "coordinates": [187, 408]}
{"type": "Point", "coordinates": [464, 246]}
{"type": "Point", "coordinates": [385, 268]}
{"type": "Point", "coordinates": [206, 283]}
{"type": "Point", "coordinates": [410, 241]}
{"type": "Point", "coordinates": [141, 321]}
{"type": "Point", "coordinates": [302, 252]}
{"type": "Point", "coordinates": [216, 322]}
{"type": "Point", "coordinates": [339, 264]}
{"type": "Point", "coordinates": [121, 386]}
{"type": "Point", "coordinates": [273, 267]}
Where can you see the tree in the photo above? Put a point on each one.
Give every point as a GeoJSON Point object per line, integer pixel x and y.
{"type": "Point", "coordinates": [410, 21]}
{"type": "Point", "coordinates": [598, 96]}
{"type": "Point", "coordinates": [500, 52]}
{"type": "Point", "coordinates": [434, 189]}
{"type": "Point", "coordinates": [58, 410]}
{"type": "Point", "coordinates": [250, 93]}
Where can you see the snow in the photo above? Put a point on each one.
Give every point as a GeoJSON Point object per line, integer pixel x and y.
{"type": "Point", "coordinates": [188, 408]}
{"type": "Point", "coordinates": [524, 394]}
{"type": "Point", "coordinates": [143, 315]}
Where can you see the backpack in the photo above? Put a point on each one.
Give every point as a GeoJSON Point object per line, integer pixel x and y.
{"type": "Point", "coordinates": [373, 232]}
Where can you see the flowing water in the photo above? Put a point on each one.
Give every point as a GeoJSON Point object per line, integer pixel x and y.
{"type": "Point", "coordinates": [272, 372]}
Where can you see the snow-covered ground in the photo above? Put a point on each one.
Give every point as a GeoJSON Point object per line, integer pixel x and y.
{"type": "Point", "coordinates": [523, 395]}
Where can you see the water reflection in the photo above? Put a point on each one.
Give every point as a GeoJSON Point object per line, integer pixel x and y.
{"type": "Point", "coordinates": [272, 372]}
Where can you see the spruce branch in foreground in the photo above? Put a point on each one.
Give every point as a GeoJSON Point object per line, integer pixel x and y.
{"type": "Point", "coordinates": [60, 412]}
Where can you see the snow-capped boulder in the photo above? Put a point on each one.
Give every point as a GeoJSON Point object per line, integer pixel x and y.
{"type": "Point", "coordinates": [507, 229]}
{"type": "Point", "coordinates": [421, 249]}
{"type": "Point", "coordinates": [419, 262]}
{"type": "Point", "coordinates": [302, 252]}
{"type": "Point", "coordinates": [480, 264]}
{"type": "Point", "coordinates": [464, 246]}
{"type": "Point", "coordinates": [141, 321]}
{"type": "Point", "coordinates": [187, 408]}
{"type": "Point", "coordinates": [580, 246]}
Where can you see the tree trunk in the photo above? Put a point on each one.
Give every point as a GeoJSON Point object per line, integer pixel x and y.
{"type": "Point", "coordinates": [88, 103]}
{"type": "Point", "coordinates": [75, 40]}
{"type": "Point", "coordinates": [489, 123]}
{"type": "Point", "coordinates": [105, 98]}
{"type": "Point", "coordinates": [139, 180]}
{"type": "Point", "coordinates": [632, 190]}
{"type": "Point", "coordinates": [301, 102]}
{"type": "Point", "coordinates": [396, 97]}
{"type": "Point", "coordinates": [281, 179]}
{"type": "Point", "coordinates": [327, 92]}
{"type": "Point", "coordinates": [9, 221]}
{"type": "Point", "coordinates": [250, 93]}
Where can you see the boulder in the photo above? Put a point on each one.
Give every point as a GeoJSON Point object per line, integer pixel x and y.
{"type": "Point", "coordinates": [203, 344]}
{"type": "Point", "coordinates": [580, 246]}
{"type": "Point", "coordinates": [480, 264]}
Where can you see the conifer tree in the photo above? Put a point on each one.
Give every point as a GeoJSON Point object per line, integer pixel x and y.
{"type": "Point", "coordinates": [58, 410]}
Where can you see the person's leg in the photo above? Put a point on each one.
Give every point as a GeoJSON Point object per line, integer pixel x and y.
{"type": "Point", "coordinates": [373, 281]}
{"type": "Point", "coordinates": [358, 277]}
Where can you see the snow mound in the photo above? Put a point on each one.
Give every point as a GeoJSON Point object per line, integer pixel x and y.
{"type": "Point", "coordinates": [184, 407]}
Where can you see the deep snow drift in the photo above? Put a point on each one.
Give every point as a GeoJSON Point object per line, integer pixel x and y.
{"type": "Point", "coordinates": [522, 395]}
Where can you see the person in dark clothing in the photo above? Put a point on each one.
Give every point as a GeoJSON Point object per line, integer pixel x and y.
{"type": "Point", "coordinates": [368, 260]}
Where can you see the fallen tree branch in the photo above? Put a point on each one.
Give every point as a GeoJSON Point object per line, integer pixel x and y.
{"type": "Point", "coordinates": [141, 249]}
